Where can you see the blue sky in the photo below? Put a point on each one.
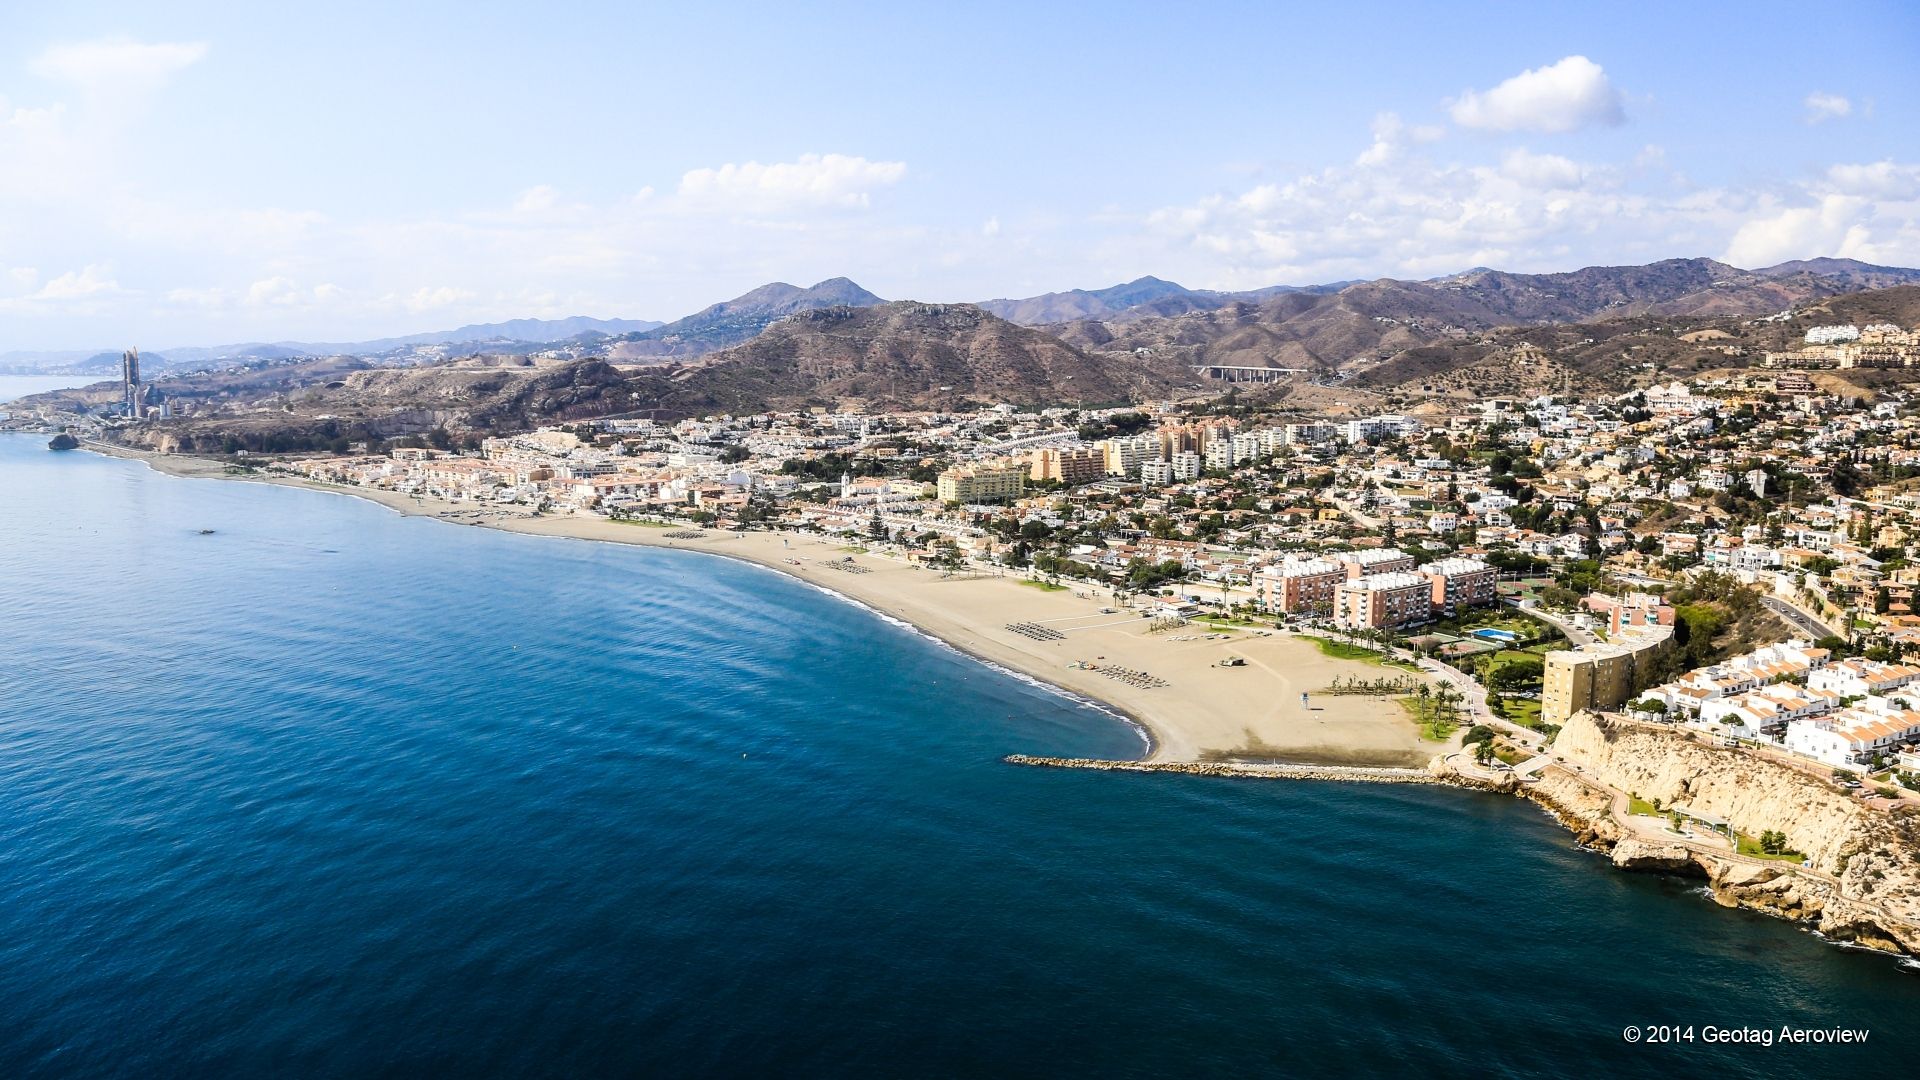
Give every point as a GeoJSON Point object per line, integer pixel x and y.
{"type": "Point", "coordinates": [194, 173]}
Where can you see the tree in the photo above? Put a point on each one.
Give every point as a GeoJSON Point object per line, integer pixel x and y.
{"type": "Point", "coordinates": [1516, 673]}
{"type": "Point", "coordinates": [1483, 752]}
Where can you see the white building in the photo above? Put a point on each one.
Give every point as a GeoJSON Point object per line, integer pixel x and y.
{"type": "Point", "coordinates": [1852, 737]}
{"type": "Point", "coordinates": [1385, 427]}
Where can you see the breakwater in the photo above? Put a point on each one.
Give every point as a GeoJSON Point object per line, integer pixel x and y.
{"type": "Point", "coordinates": [1366, 774]}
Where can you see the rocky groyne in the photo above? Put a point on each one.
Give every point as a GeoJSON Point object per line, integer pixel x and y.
{"type": "Point", "coordinates": [1366, 774]}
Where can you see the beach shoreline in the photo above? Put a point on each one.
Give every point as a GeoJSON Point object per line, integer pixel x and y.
{"type": "Point", "coordinates": [1204, 712]}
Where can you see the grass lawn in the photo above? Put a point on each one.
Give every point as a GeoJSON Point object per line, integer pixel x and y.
{"type": "Point", "coordinates": [1521, 711]}
{"type": "Point", "coordinates": [1435, 730]}
{"type": "Point", "coordinates": [1638, 805]}
{"type": "Point", "coordinates": [643, 523]}
{"type": "Point", "coordinates": [1507, 656]}
{"type": "Point", "coordinates": [1342, 650]}
{"type": "Point", "coordinates": [1513, 757]}
{"type": "Point", "coordinates": [1226, 622]}
{"type": "Point", "coordinates": [1044, 586]}
{"type": "Point", "coordinates": [1747, 845]}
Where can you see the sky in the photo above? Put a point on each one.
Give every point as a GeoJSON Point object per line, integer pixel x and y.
{"type": "Point", "coordinates": [197, 173]}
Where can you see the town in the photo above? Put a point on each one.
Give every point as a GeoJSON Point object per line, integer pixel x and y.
{"type": "Point", "coordinates": [1621, 555]}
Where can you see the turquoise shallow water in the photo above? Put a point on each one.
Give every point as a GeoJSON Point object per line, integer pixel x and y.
{"type": "Point", "coordinates": [336, 792]}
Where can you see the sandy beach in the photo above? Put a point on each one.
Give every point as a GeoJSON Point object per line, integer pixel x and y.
{"type": "Point", "coordinates": [1204, 711]}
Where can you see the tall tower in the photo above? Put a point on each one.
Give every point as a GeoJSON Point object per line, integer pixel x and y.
{"type": "Point", "coordinates": [130, 382]}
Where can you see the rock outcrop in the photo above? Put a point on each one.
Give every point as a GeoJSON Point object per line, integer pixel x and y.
{"type": "Point", "coordinates": [1862, 881]}
{"type": "Point", "coordinates": [1636, 854]}
{"type": "Point", "coordinates": [1367, 774]}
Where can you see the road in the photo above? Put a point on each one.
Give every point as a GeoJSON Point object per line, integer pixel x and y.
{"type": "Point", "coordinates": [1796, 618]}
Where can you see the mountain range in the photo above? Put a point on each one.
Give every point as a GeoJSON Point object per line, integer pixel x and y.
{"type": "Point", "coordinates": [1462, 337]}
{"type": "Point", "coordinates": [732, 322]}
{"type": "Point", "coordinates": [514, 333]}
{"type": "Point", "coordinates": [1140, 298]}
{"type": "Point", "coordinates": [1284, 326]}
{"type": "Point", "coordinates": [900, 354]}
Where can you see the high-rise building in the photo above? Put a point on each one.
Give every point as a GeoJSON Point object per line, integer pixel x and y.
{"type": "Point", "coordinates": [130, 383]}
{"type": "Point", "coordinates": [1073, 465]}
{"type": "Point", "coordinates": [1462, 583]}
{"type": "Point", "coordinates": [981, 481]}
{"type": "Point", "coordinates": [1301, 584]}
{"type": "Point", "coordinates": [1602, 675]}
{"type": "Point", "coordinates": [1383, 601]}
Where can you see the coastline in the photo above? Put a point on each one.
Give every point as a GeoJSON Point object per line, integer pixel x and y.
{"type": "Point", "coordinates": [1175, 725]}
{"type": "Point", "coordinates": [1205, 713]}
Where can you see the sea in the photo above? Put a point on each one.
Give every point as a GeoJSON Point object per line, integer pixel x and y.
{"type": "Point", "coordinates": [293, 785]}
{"type": "Point", "coordinates": [19, 386]}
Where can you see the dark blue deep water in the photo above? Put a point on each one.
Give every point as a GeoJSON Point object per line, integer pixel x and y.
{"type": "Point", "coordinates": [336, 792]}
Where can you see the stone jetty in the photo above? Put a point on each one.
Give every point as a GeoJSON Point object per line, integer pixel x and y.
{"type": "Point", "coordinates": [1261, 769]}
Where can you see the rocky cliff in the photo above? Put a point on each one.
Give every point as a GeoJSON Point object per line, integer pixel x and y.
{"type": "Point", "coordinates": [1863, 879]}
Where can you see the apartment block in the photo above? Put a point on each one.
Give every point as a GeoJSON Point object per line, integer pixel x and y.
{"type": "Point", "coordinates": [1076, 465]}
{"type": "Point", "coordinates": [982, 482]}
{"type": "Point", "coordinates": [1383, 601]}
{"type": "Point", "coordinates": [1367, 561]}
{"type": "Point", "coordinates": [1601, 676]}
{"type": "Point", "coordinates": [1125, 455]}
{"type": "Point", "coordinates": [1302, 585]}
{"type": "Point", "coordinates": [1462, 583]}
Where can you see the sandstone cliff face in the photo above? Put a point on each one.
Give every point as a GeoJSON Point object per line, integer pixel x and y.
{"type": "Point", "coordinates": [1866, 884]}
{"type": "Point", "coordinates": [1752, 793]}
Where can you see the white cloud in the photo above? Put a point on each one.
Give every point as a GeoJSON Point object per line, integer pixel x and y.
{"type": "Point", "coordinates": [116, 65]}
{"type": "Point", "coordinates": [810, 180]}
{"type": "Point", "coordinates": [1542, 171]}
{"type": "Point", "coordinates": [537, 198]}
{"type": "Point", "coordinates": [277, 292]}
{"type": "Point", "coordinates": [1566, 96]}
{"type": "Point", "coordinates": [207, 298]}
{"type": "Point", "coordinates": [426, 299]}
{"type": "Point", "coordinates": [1411, 216]}
{"type": "Point", "coordinates": [1391, 135]}
{"type": "Point", "coordinates": [1823, 106]}
{"type": "Point", "coordinates": [1880, 180]}
{"type": "Point", "coordinates": [1869, 212]}
{"type": "Point", "coordinates": [1830, 227]}
{"type": "Point", "coordinates": [76, 284]}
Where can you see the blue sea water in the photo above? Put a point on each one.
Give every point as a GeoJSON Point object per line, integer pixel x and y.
{"type": "Point", "coordinates": [334, 792]}
{"type": "Point", "coordinates": [19, 386]}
